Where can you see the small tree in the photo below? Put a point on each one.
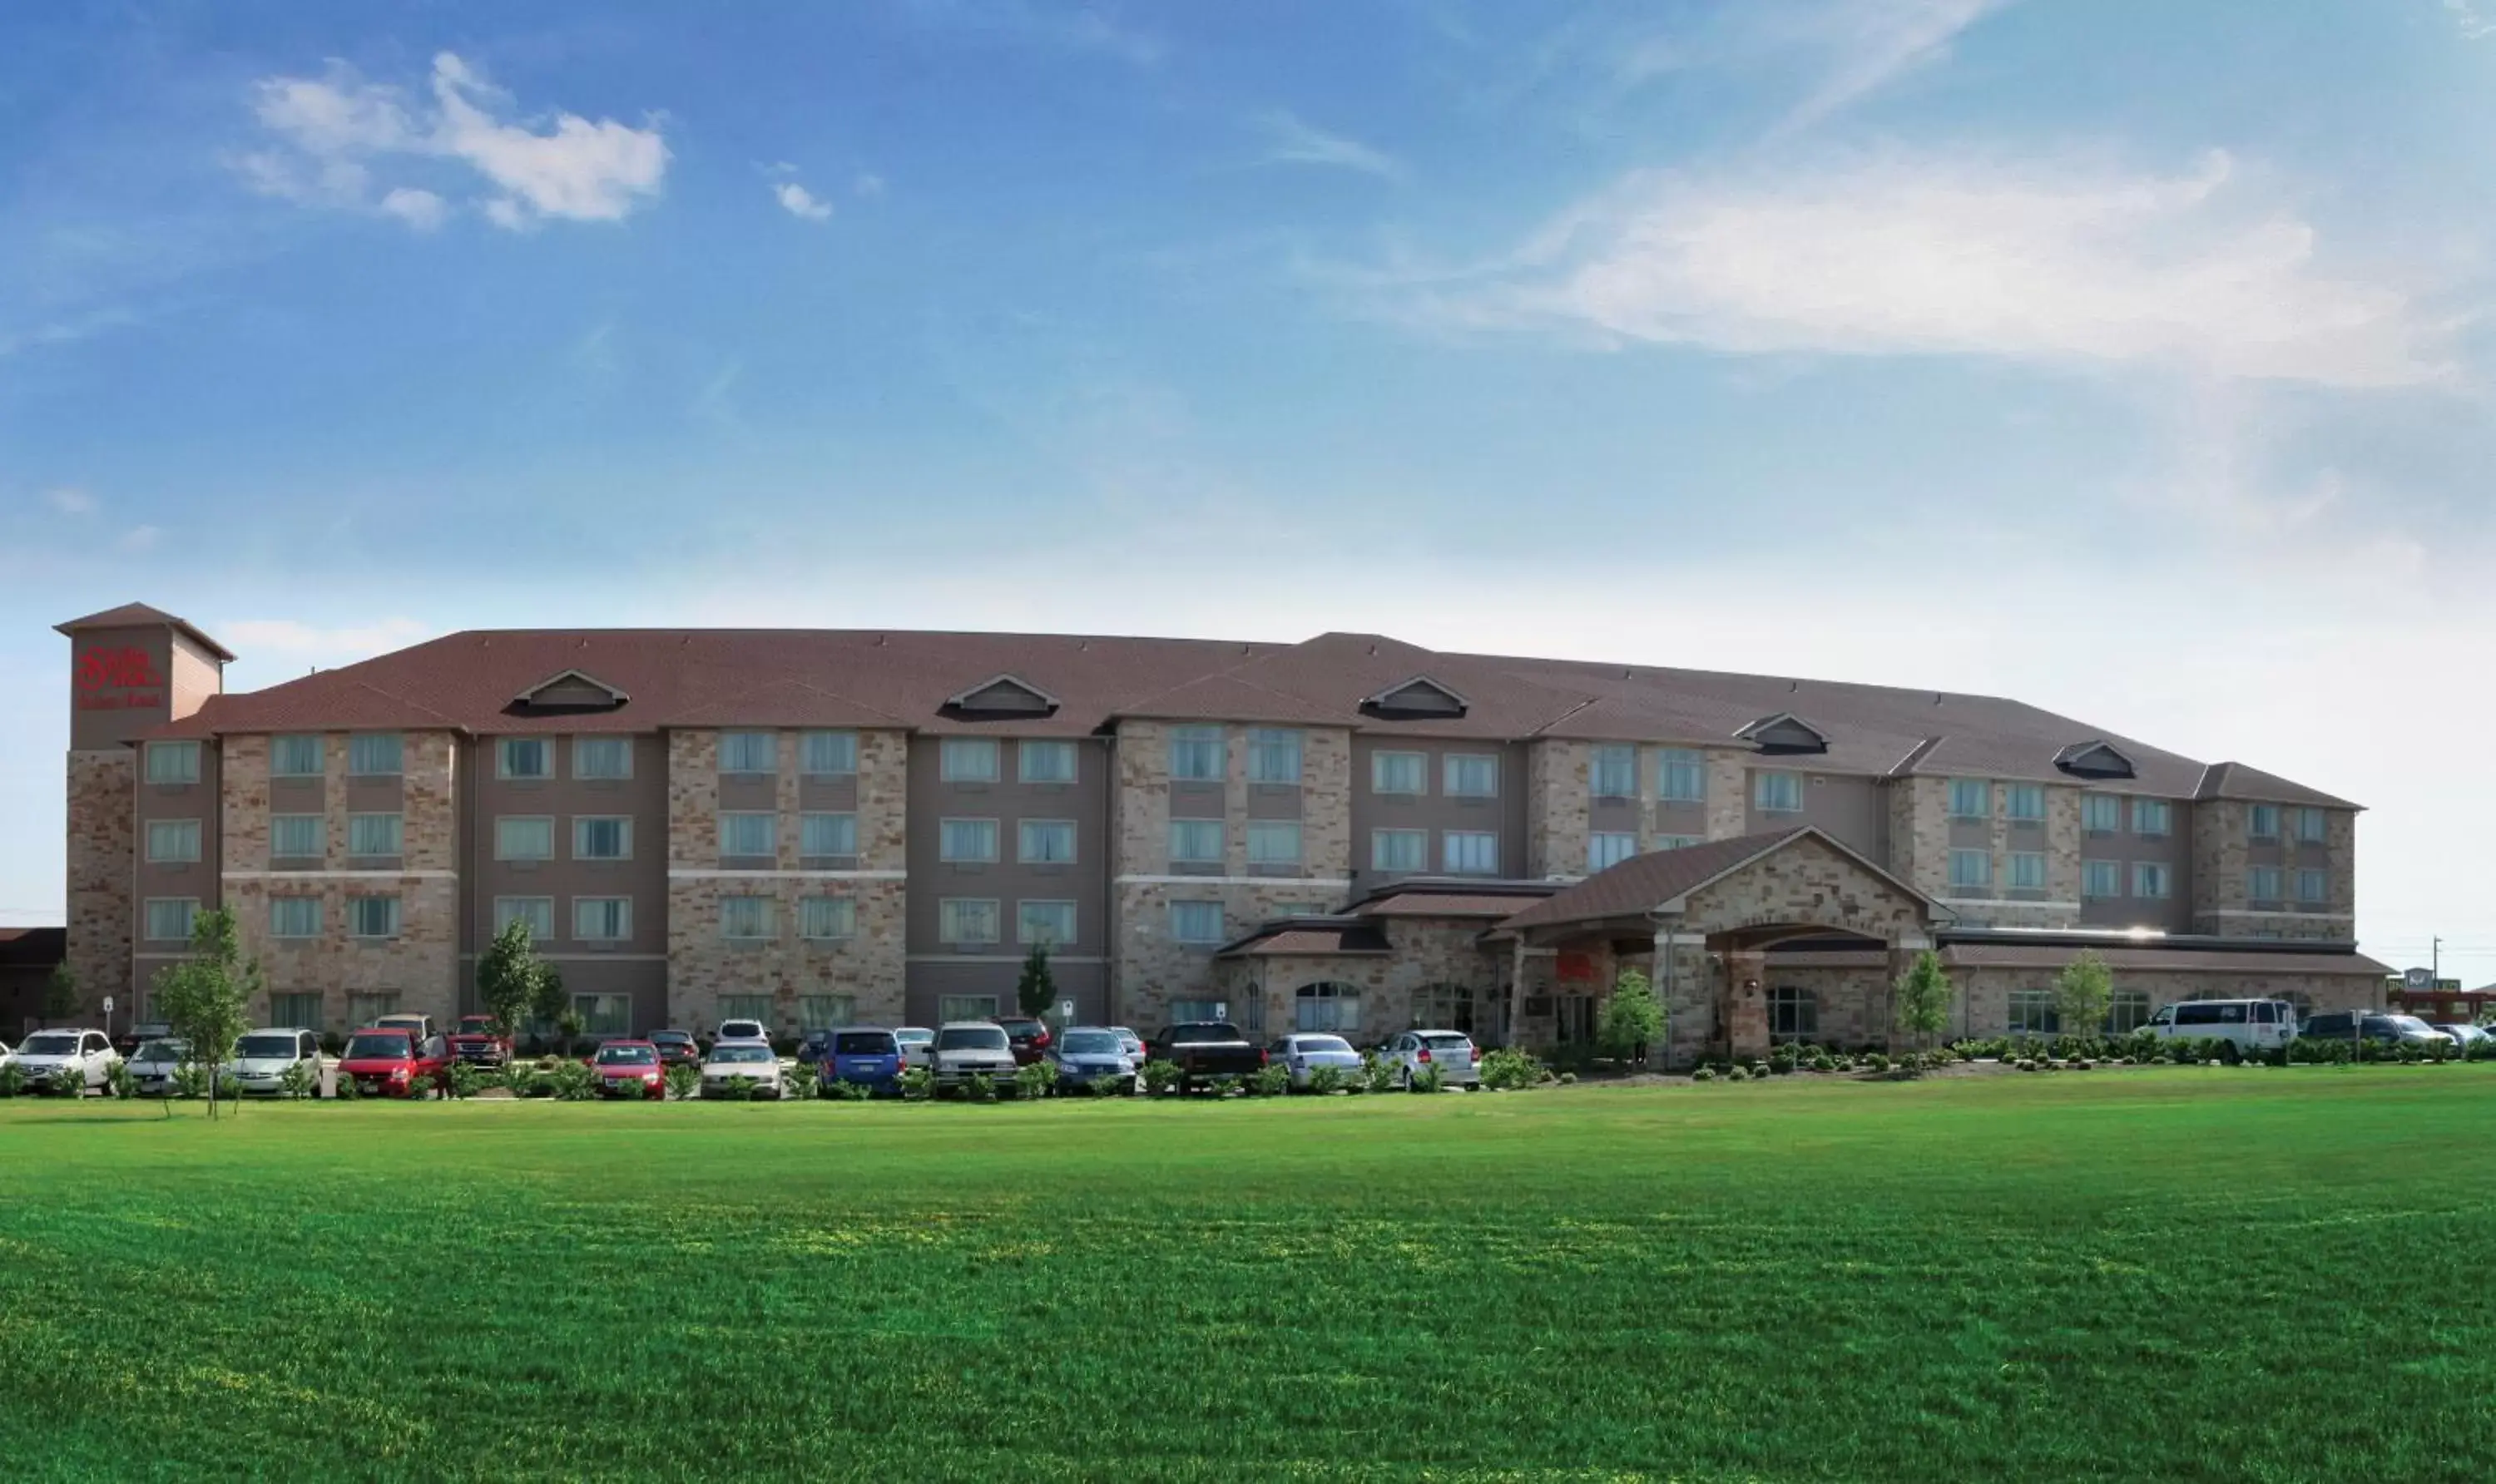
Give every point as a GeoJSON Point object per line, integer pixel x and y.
{"type": "Point", "coordinates": [60, 994]}
{"type": "Point", "coordinates": [205, 996]}
{"type": "Point", "coordinates": [548, 1000]}
{"type": "Point", "coordinates": [1037, 990]}
{"type": "Point", "coordinates": [2082, 991]}
{"type": "Point", "coordinates": [1921, 997]}
{"type": "Point", "coordinates": [1632, 1020]}
{"type": "Point", "coordinates": [508, 974]}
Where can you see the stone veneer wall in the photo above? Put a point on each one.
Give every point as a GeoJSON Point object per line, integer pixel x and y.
{"type": "Point", "coordinates": [101, 867]}
{"type": "Point", "coordinates": [1556, 807]}
{"type": "Point", "coordinates": [1729, 793]}
{"type": "Point", "coordinates": [1919, 833]}
{"type": "Point", "coordinates": [2222, 861]}
{"type": "Point", "coordinates": [1426, 954]}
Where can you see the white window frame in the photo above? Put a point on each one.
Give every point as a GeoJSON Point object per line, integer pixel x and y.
{"type": "Point", "coordinates": [2113, 868]}
{"type": "Point", "coordinates": [841, 911]}
{"type": "Point", "coordinates": [356, 916]}
{"type": "Point", "coordinates": [1191, 743]}
{"type": "Point", "coordinates": [1028, 748]}
{"type": "Point", "coordinates": [765, 926]}
{"type": "Point", "coordinates": [950, 914]}
{"type": "Point", "coordinates": [540, 912]}
{"type": "Point", "coordinates": [1450, 763]}
{"type": "Point", "coordinates": [177, 830]}
{"type": "Point", "coordinates": [742, 740]}
{"type": "Point", "coordinates": [1607, 848]}
{"type": "Point", "coordinates": [585, 747]}
{"type": "Point", "coordinates": [162, 766]}
{"type": "Point", "coordinates": [2255, 881]}
{"type": "Point", "coordinates": [360, 743]}
{"type": "Point", "coordinates": [1384, 761]}
{"type": "Point", "coordinates": [2109, 804]}
{"type": "Point", "coordinates": [622, 915]}
{"type": "Point", "coordinates": [277, 926]}
{"type": "Point", "coordinates": [1760, 790]}
{"type": "Point", "coordinates": [844, 822]}
{"type": "Point", "coordinates": [1419, 854]}
{"type": "Point", "coordinates": [1963, 880]}
{"type": "Point", "coordinates": [582, 823]}
{"type": "Point", "coordinates": [2016, 794]}
{"type": "Point", "coordinates": [397, 832]}
{"type": "Point", "coordinates": [727, 829]}
{"type": "Point", "coordinates": [946, 851]}
{"type": "Point", "coordinates": [1619, 759]}
{"type": "Point", "coordinates": [1670, 761]}
{"type": "Point", "coordinates": [319, 836]}
{"type": "Point", "coordinates": [1056, 906]}
{"type": "Point", "coordinates": [2143, 809]}
{"type": "Point", "coordinates": [958, 760]}
{"type": "Point", "coordinates": [1197, 828]}
{"type": "Point", "coordinates": [1456, 842]}
{"type": "Point", "coordinates": [1220, 921]}
{"type": "Point", "coordinates": [827, 754]}
{"type": "Point", "coordinates": [278, 747]}
{"type": "Point", "coordinates": [1958, 802]}
{"type": "Point", "coordinates": [2027, 863]}
{"type": "Point", "coordinates": [1023, 838]}
{"type": "Point", "coordinates": [1262, 835]}
{"type": "Point", "coordinates": [1267, 745]}
{"type": "Point", "coordinates": [501, 844]}
{"type": "Point", "coordinates": [506, 747]}
{"type": "Point", "coordinates": [190, 907]}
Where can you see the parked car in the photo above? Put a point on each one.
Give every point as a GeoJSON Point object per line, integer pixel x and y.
{"type": "Point", "coordinates": [1134, 1043]}
{"type": "Point", "coordinates": [867, 1055]}
{"type": "Point", "coordinates": [1305, 1052]}
{"type": "Point", "coordinates": [1030, 1037]}
{"type": "Point", "coordinates": [747, 1059]}
{"type": "Point", "coordinates": [1087, 1055]}
{"type": "Point", "coordinates": [261, 1059]}
{"type": "Point", "coordinates": [1450, 1051]}
{"type": "Point", "coordinates": [2467, 1036]}
{"type": "Point", "coordinates": [918, 1044]}
{"type": "Point", "coordinates": [153, 1063]}
{"type": "Point", "coordinates": [391, 1062]}
{"type": "Point", "coordinates": [748, 1031]}
{"type": "Point", "coordinates": [815, 1049]}
{"type": "Point", "coordinates": [2243, 1025]}
{"type": "Point", "coordinates": [480, 1041]}
{"type": "Point", "coordinates": [629, 1069]}
{"type": "Point", "coordinates": [42, 1056]}
{"type": "Point", "coordinates": [964, 1048]}
{"type": "Point", "coordinates": [140, 1033]}
{"type": "Point", "coordinates": [1204, 1049]}
{"type": "Point", "coordinates": [2373, 1025]}
{"type": "Point", "coordinates": [419, 1028]}
{"type": "Point", "coordinates": [676, 1048]}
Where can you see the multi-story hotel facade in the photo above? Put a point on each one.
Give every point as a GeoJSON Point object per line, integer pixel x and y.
{"type": "Point", "coordinates": [818, 827]}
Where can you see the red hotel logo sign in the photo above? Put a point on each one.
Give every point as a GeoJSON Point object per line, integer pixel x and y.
{"type": "Point", "coordinates": [121, 679]}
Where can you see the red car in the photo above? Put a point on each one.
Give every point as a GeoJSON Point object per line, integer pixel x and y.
{"type": "Point", "coordinates": [394, 1063]}
{"type": "Point", "coordinates": [1029, 1037]}
{"type": "Point", "coordinates": [629, 1069]}
{"type": "Point", "coordinates": [481, 1042]}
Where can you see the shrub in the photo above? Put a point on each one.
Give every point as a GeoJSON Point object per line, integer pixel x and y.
{"type": "Point", "coordinates": [801, 1082]}
{"type": "Point", "coordinates": [1377, 1073]}
{"type": "Point", "coordinates": [683, 1082]}
{"type": "Point", "coordinates": [1823, 1063]}
{"type": "Point", "coordinates": [1567, 1078]}
{"type": "Point", "coordinates": [1878, 1060]}
{"type": "Point", "coordinates": [1225, 1084]}
{"type": "Point", "coordinates": [345, 1091]}
{"type": "Point", "coordinates": [2480, 1051]}
{"type": "Point", "coordinates": [1427, 1080]}
{"type": "Point", "coordinates": [918, 1083]}
{"type": "Point", "coordinates": [119, 1083]}
{"type": "Point", "coordinates": [980, 1086]}
{"type": "Point", "coordinates": [1270, 1081]}
{"type": "Point", "coordinates": [67, 1081]}
{"type": "Point", "coordinates": [737, 1090]}
{"type": "Point", "coordinates": [1704, 1075]}
{"type": "Point", "coordinates": [840, 1091]}
{"type": "Point", "coordinates": [1037, 1080]}
{"type": "Point", "coordinates": [467, 1079]}
{"type": "Point", "coordinates": [301, 1080]}
{"type": "Point", "coordinates": [1737, 1073]}
{"type": "Point", "coordinates": [1509, 1069]}
{"type": "Point", "coordinates": [1331, 1079]}
{"type": "Point", "coordinates": [572, 1081]}
{"type": "Point", "coordinates": [1160, 1076]}
{"type": "Point", "coordinates": [12, 1080]}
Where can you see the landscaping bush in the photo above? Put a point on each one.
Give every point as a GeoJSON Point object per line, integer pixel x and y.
{"type": "Point", "coordinates": [1160, 1076]}
{"type": "Point", "coordinates": [1781, 1061]}
{"type": "Point", "coordinates": [119, 1083]}
{"type": "Point", "coordinates": [345, 1091]}
{"type": "Point", "coordinates": [1737, 1073]}
{"type": "Point", "coordinates": [1225, 1084]}
{"type": "Point", "coordinates": [1331, 1079]}
{"type": "Point", "coordinates": [1878, 1060]}
{"type": "Point", "coordinates": [918, 1083]}
{"type": "Point", "coordinates": [1037, 1080]}
{"type": "Point", "coordinates": [839, 1091]}
{"type": "Point", "coordinates": [301, 1080]}
{"type": "Point", "coordinates": [12, 1080]}
{"type": "Point", "coordinates": [571, 1081]}
{"type": "Point", "coordinates": [468, 1079]}
{"type": "Point", "coordinates": [801, 1082]}
{"type": "Point", "coordinates": [1823, 1063]}
{"type": "Point", "coordinates": [1427, 1080]}
{"type": "Point", "coordinates": [1704, 1075]}
{"type": "Point", "coordinates": [980, 1086]}
{"type": "Point", "coordinates": [1509, 1069]}
{"type": "Point", "coordinates": [1568, 1079]}
{"type": "Point", "coordinates": [2482, 1051]}
{"type": "Point", "coordinates": [67, 1082]}
{"type": "Point", "coordinates": [1377, 1073]}
{"type": "Point", "coordinates": [526, 1080]}
{"type": "Point", "coordinates": [1270, 1081]}
{"type": "Point", "coordinates": [735, 1090]}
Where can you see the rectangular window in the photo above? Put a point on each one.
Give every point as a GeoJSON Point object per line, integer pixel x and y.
{"type": "Point", "coordinates": [172, 762]}
{"type": "Point", "coordinates": [169, 918]}
{"type": "Point", "coordinates": [537, 911]}
{"type": "Point", "coordinates": [2150, 817]}
{"type": "Point", "coordinates": [2262, 822]}
{"type": "Point", "coordinates": [1611, 773]}
{"type": "Point", "coordinates": [1469, 852]}
{"type": "Point", "coordinates": [1195, 753]}
{"type": "Point", "coordinates": [2027, 871]}
{"type": "Point", "coordinates": [296, 756]}
{"type": "Point", "coordinates": [1182, 1011]}
{"type": "Point", "coordinates": [1971, 871]}
{"type": "Point", "coordinates": [2026, 802]}
{"type": "Point", "coordinates": [604, 1015]}
{"type": "Point", "coordinates": [966, 919]}
{"type": "Point", "coordinates": [746, 918]}
{"type": "Point", "coordinates": [2126, 1011]}
{"type": "Point", "coordinates": [1471, 775]}
{"type": "Point", "coordinates": [827, 919]}
{"type": "Point", "coordinates": [524, 836]}
{"type": "Point", "coordinates": [749, 836]}
{"type": "Point", "coordinates": [173, 840]}
{"type": "Point", "coordinates": [1680, 776]}
{"type": "Point", "coordinates": [827, 754]}
{"type": "Point", "coordinates": [966, 840]}
{"type": "Point", "coordinates": [1273, 756]}
{"type": "Point", "coordinates": [1777, 792]}
{"type": "Point", "coordinates": [2100, 879]}
{"type": "Point", "coordinates": [746, 1008]}
{"type": "Point", "coordinates": [373, 834]}
{"type": "Point", "coordinates": [602, 758]}
{"type": "Point", "coordinates": [1048, 922]}
{"type": "Point", "coordinates": [523, 757]}
{"type": "Point", "coordinates": [953, 1007]}
{"type": "Point", "coordinates": [298, 1010]}
{"type": "Point", "coordinates": [2101, 814]}
{"type": "Point", "coordinates": [2263, 883]}
{"type": "Point", "coordinates": [1196, 842]}
{"type": "Point", "coordinates": [826, 1012]}
{"type": "Point", "coordinates": [602, 837]}
{"type": "Point", "coordinates": [1195, 921]}
{"type": "Point", "coordinates": [2310, 826]}
{"type": "Point", "coordinates": [1044, 841]}
{"type": "Point", "coordinates": [294, 917]}
{"type": "Point", "coordinates": [2148, 879]}
{"type": "Point", "coordinates": [2312, 887]}
{"type": "Point", "coordinates": [372, 917]}
{"type": "Point", "coordinates": [366, 1005]}
{"type": "Point", "coordinates": [602, 919]}
{"type": "Point", "coordinates": [1399, 849]}
{"type": "Point", "coordinates": [1971, 798]}
{"type": "Point", "coordinates": [295, 836]}
{"type": "Point", "coordinates": [1044, 762]}
{"type": "Point", "coordinates": [822, 835]}
{"type": "Point", "coordinates": [969, 759]}
{"type": "Point", "coordinates": [2033, 1013]}
{"type": "Point", "coordinates": [375, 755]}
{"type": "Point", "coordinates": [1274, 842]}
{"type": "Point", "coordinates": [1604, 851]}
{"type": "Point", "coordinates": [1399, 772]}
{"type": "Point", "coordinates": [749, 751]}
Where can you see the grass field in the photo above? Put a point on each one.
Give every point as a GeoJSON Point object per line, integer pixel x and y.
{"type": "Point", "coordinates": [2194, 1273]}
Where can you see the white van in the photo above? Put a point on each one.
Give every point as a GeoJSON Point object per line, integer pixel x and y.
{"type": "Point", "coordinates": [2245, 1025]}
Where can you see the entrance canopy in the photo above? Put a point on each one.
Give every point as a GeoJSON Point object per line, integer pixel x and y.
{"type": "Point", "coordinates": [1746, 892]}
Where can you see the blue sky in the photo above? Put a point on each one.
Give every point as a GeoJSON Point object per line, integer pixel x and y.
{"type": "Point", "coordinates": [2128, 357]}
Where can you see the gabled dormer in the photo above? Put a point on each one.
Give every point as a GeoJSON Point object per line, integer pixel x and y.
{"type": "Point", "coordinates": [570, 690]}
{"type": "Point", "coordinates": [1784, 734]}
{"type": "Point", "coordinates": [1000, 698]}
{"type": "Point", "coordinates": [1419, 698]}
{"type": "Point", "coordinates": [2094, 759]}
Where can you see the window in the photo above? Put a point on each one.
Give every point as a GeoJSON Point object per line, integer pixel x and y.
{"type": "Point", "coordinates": [966, 919]}
{"type": "Point", "coordinates": [169, 918]}
{"type": "Point", "coordinates": [602, 919]}
{"type": "Point", "coordinates": [1606, 850]}
{"type": "Point", "coordinates": [294, 757]}
{"type": "Point", "coordinates": [1399, 772]}
{"type": "Point", "coordinates": [602, 837]}
{"type": "Point", "coordinates": [1469, 852]}
{"type": "Point", "coordinates": [827, 919]}
{"type": "Point", "coordinates": [1399, 849]}
{"type": "Point", "coordinates": [746, 918]}
{"type": "Point", "coordinates": [1273, 756]}
{"type": "Point", "coordinates": [966, 840]}
{"type": "Point", "coordinates": [375, 755]}
{"type": "Point", "coordinates": [2310, 826]}
{"type": "Point", "coordinates": [748, 835]}
{"type": "Point", "coordinates": [1044, 841]}
{"type": "Point", "coordinates": [1680, 776]}
{"type": "Point", "coordinates": [2263, 883]}
{"type": "Point", "coordinates": [294, 917]}
{"type": "Point", "coordinates": [969, 759]}
{"type": "Point", "coordinates": [2026, 802]}
{"type": "Point", "coordinates": [951, 1007]}
{"type": "Point", "coordinates": [1971, 798]}
{"type": "Point", "coordinates": [824, 1012]}
{"type": "Point", "coordinates": [1195, 753]}
{"type": "Point", "coordinates": [1335, 1007]}
{"type": "Point", "coordinates": [2148, 878]}
{"type": "Point", "coordinates": [2313, 886]}
{"type": "Point", "coordinates": [300, 1007]}
{"type": "Point", "coordinates": [2101, 814]}
{"type": "Point", "coordinates": [1195, 921]}
{"type": "Point", "coordinates": [604, 1015]}
{"type": "Point", "coordinates": [1971, 871]}
{"type": "Point", "coordinates": [749, 751]}
{"type": "Point", "coordinates": [2100, 879]}
{"type": "Point", "coordinates": [172, 762]}
{"type": "Point", "coordinates": [1611, 773]}
{"type": "Point", "coordinates": [372, 917]}
{"type": "Point", "coordinates": [2149, 816]}
{"type": "Point", "coordinates": [524, 836]}
{"type": "Point", "coordinates": [1196, 841]}
{"type": "Point", "coordinates": [2027, 871]}
{"type": "Point", "coordinates": [295, 836]}
{"type": "Point", "coordinates": [523, 757]}
{"type": "Point", "coordinates": [2033, 1013]}
{"type": "Point", "coordinates": [1181, 1011]}
{"type": "Point", "coordinates": [1443, 1006]}
{"type": "Point", "coordinates": [373, 834]}
{"type": "Point", "coordinates": [366, 1005]}
{"type": "Point", "coordinates": [1676, 841]}
{"type": "Point", "coordinates": [1044, 762]}
{"type": "Point", "coordinates": [755, 1007]}
{"type": "Point", "coordinates": [2262, 822]}
{"type": "Point", "coordinates": [827, 834]}
{"type": "Point", "coordinates": [1048, 922]}
{"type": "Point", "coordinates": [537, 911]}
{"type": "Point", "coordinates": [1794, 1014]}
{"type": "Point", "coordinates": [602, 758]}
{"type": "Point", "coordinates": [1274, 842]}
{"type": "Point", "coordinates": [2128, 1012]}
{"type": "Point", "coordinates": [1472, 775]}
{"type": "Point", "coordinates": [827, 754]}
{"type": "Point", "coordinates": [173, 840]}
{"type": "Point", "coordinates": [1776, 792]}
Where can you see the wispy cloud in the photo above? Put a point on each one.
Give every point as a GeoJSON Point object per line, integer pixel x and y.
{"type": "Point", "coordinates": [70, 501]}
{"type": "Point", "coordinates": [799, 202]}
{"type": "Point", "coordinates": [2467, 19]}
{"type": "Point", "coordinates": [1290, 140]}
{"type": "Point", "coordinates": [64, 332]}
{"type": "Point", "coordinates": [142, 538]}
{"type": "Point", "coordinates": [1873, 43]}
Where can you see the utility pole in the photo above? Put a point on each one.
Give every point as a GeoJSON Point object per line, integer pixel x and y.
{"type": "Point", "coordinates": [2435, 957]}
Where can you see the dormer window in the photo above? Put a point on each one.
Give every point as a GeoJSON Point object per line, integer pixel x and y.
{"type": "Point", "coordinates": [1000, 697]}
{"type": "Point", "coordinates": [1784, 734]}
{"type": "Point", "coordinates": [570, 690]}
{"type": "Point", "coordinates": [1417, 698]}
{"type": "Point", "coordinates": [2093, 759]}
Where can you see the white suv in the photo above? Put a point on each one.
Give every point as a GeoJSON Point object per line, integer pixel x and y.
{"type": "Point", "coordinates": [964, 1047]}
{"type": "Point", "coordinates": [1452, 1052]}
{"type": "Point", "coordinates": [43, 1055]}
{"type": "Point", "coordinates": [742, 1033]}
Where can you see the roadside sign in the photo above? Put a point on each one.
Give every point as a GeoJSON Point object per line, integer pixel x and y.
{"type": "Point", "coordinates": [1066, 1010]}
{"type": "Point", "coordinates": [108, 1005]}
{"type": "Point", "coordinates": [2419, 978]}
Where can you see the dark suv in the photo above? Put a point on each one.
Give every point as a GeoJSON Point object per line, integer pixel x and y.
{"type": "Point", "coordinates": [1030, 1037]}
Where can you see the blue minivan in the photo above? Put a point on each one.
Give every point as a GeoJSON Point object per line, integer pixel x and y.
{"type": "Point", "coordinates": [866, 1055]}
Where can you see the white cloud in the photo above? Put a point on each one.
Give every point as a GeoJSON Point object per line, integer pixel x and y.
{"type": "Point", "coordinates": [1293, 142]}
{"type": "Point", "coordinates": [421, 209]}
{"type": "Point", "coordinates": [2467, 19]}
{"type": "Point", "coordinates": [799, 202]}
{"type": "Point", "coordinates": [1873, 43]}
{"type": "Point", "coordinates": [70, 501]}
{"type": "Point", "coordinates": [142, 538]}
{"type": "Point", "coordinates": [581, 172]}
{"type": "Point", "coordinates": [2043, 262]}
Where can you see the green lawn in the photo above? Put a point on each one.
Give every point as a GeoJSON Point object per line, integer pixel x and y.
{"type": "Point", "coordinates": [2198, 1274]}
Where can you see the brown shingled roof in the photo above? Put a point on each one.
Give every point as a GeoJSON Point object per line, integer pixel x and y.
{"type": "Point", "coordinates": [1302, 936]}
{"type": "Point", "coordinates": [2247, 960]}
{"type": "Point", "coordinates": [1642, 883]}
{"type": "Point", "coordinates": [2235, 781]}
{"type": "Point", "coordinates": [137, 615]}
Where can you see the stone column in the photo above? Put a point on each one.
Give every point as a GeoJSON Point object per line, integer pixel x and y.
{"type": "Point", "coordinates": [1746, 1002]}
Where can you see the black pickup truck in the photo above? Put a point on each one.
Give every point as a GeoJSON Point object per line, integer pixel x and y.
{"type": "Point", "coordinates": [1207, 1049]}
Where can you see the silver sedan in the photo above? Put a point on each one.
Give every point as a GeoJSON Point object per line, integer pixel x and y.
{"type": "Point", "coordinates": [1304, 1054]}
